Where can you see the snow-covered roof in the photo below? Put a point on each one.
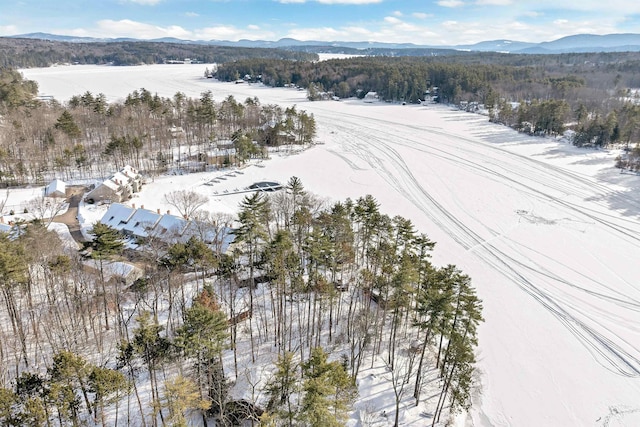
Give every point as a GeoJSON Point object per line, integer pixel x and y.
{"type": "Point", "coordinates": [144, 223]}
{"type": "Point", "coordinates": [129, 171]}
{"type": "Point", "coordinates": [55, 188]}
{"type": "Point", "coordinates": [119, 178]}
{"type": "Point", "coordinates": [222, 236]}
{"type": "Point", "coordinates": [108, 183]}
{"type": "Point", "coordinates": [117, 216]}
{"type": "Point", "coordinates": [141, 222]}
{"type": "Point", "coordinates": [171, 226]}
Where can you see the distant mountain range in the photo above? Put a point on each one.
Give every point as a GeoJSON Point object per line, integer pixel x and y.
{"type": "Point", "coordinates": [576, 43]}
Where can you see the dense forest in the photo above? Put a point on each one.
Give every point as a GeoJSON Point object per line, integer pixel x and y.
{"type": "Point", "coordinates": [29, 53]}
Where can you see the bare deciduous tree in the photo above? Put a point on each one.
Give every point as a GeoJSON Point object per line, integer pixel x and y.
{"type": "Point", "coordinates": [185, 201]}
{"type": "Point", "coordinates": [45, 209]}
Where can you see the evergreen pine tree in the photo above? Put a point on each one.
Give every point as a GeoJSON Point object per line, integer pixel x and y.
{"type": "Point", "coordinates": [328, 392]}
{"type": "Point", "coordinates": [203, 337]}
{"type": "Point", "coordinates": [181, 395]}
{"type": "Point", "coordinates": [281, 388]}
{"type": "Point", "coordinates": [67, 124]}
{"type": "Point", "coordinates": [106, 384]}
{"type": "Point", "coordinates": [107, 243]}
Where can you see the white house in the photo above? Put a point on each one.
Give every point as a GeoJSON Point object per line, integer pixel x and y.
{"type": "Point", "coordinates": [168, 228]}
{"type": "Point", "coordinates": [135, 179]}
{"type": "Point", "coordinates": [220, 237]}
{"type": "Point", "coordinates": [171, 228]}
{"type": "Point", "coordinates": [56, 188]}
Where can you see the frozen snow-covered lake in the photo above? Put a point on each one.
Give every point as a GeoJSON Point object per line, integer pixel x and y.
{"type": "Point", "coordinates": [549, 234]}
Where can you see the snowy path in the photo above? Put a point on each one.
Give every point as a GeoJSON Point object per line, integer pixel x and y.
{"type": "Point", "coordinates": [550, 235]}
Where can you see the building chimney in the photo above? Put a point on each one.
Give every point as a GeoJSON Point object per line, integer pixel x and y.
{"type": "Point", "coordinates": [168, 212]}
{"type": "Point", "coordinates": [158, 211]}
{"type": "Point", "coordinates": [133, 205]}
{"type": "Point", "coordinates": [1, 220]}
{"type": "Point", "coordinates": [141, 206]}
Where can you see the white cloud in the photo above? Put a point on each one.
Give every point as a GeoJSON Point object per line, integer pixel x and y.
{"type": "Point", "coordinates": [391, 30]}
{"type": "Point", "coordinates": [402, 27]}
{"type": "Point", "coordinates": [323, 34]}
{"type": "Point", "coordinates": [129, 28]}
{"type": "Point", "coordinates": [8, 30]}
{"type": "Point", "coordinates": [450, 3]}
{"type": "Point", "coordinates": [485, 20]}
{"type": "Point", "coordinates": [609, 7]}
{"type": "Point", "coordinates": [392, 20]}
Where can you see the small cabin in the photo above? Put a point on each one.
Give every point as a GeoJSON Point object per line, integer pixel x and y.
{"type": "Point", "coordinates": [56, 188]}
{"type": "Point", "coordinates": [371, 97]}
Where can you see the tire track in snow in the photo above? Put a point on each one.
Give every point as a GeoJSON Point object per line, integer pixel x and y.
{"type": "Point", "coordinates": [376, 150]}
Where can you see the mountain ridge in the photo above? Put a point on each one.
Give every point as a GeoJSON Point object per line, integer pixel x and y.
{"type": "Point", "coordinates": [620, 42]}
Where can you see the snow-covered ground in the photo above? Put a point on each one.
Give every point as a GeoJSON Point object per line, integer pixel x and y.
{"type": "Point", "coordinates": [549, 234]}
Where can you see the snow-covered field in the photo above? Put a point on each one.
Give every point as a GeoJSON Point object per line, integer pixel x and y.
{"type": "Point", "coordinates": [549, 234]}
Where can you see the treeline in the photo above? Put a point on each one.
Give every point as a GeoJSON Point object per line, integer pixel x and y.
{"type": "Point", "coordinates": [482, 77]}
{"type": "Point", "coordinates": [394, 79]}
{"type": "Point", "coordinates": [592, 99]}
{"type": "Point", "coordinates": [586, 128]}
{"type": "Point", "coordinates": [306, 297]}
{"type": "Point", "coordinates": [30, 53]}
{"type": "Point", "coordinates": [87, 137]}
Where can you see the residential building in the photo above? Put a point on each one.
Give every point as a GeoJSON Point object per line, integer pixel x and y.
{"type": "Point", "coordinates": [118, 187]}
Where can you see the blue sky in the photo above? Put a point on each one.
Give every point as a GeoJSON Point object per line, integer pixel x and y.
{"type": "Point", "coordinates": [438, 22]}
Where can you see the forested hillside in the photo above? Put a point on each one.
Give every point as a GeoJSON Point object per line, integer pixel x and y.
{"type": "Point", "coordinates": [28, 53]}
